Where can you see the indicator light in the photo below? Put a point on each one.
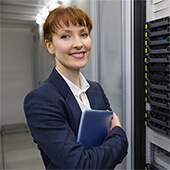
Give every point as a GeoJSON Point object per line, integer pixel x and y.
{"type": "Point", "coordinates": [161, 38]}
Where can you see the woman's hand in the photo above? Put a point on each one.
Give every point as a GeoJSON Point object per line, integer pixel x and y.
{"type": "Point", "coordinates": [115, 121]}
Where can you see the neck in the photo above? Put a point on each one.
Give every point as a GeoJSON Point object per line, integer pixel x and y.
{"type": "Point", "coordinates": [72, 75]}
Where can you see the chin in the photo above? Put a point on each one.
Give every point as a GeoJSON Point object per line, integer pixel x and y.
{"type": "Point", "coordinates": [80, 65]}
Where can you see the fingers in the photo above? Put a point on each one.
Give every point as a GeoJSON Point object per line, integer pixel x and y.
{"type": "Point", "coordinates": [115, 121]}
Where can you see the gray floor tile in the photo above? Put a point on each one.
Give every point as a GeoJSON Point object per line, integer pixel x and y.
{"type": "Point", "coordinates": [19, 141]}
{"type": "Point", "coordinates": [20, 152]}
{"type": "Point", "coordinates": [31, 164]}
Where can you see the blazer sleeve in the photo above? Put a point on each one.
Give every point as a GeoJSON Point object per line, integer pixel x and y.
{"type": "Point", "coordinates": [51, 131]}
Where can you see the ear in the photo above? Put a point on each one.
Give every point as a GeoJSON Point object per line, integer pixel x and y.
{"type": "Point", "coordinates": [49, 46]}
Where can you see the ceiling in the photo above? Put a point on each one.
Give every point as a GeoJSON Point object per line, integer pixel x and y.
{"type": "Point", "coordinates": [20, 13]}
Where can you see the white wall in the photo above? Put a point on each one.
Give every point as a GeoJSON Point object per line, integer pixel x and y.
{"type": "Point", "coordinates": [111, 52]}
{"type": "Point", "coordinates": [17, 72]}
{"type": "Point", "coordinates": [44, 61]}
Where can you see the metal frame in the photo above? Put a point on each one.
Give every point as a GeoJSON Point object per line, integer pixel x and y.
{"type": "Point", "coordinates": [96, 40]}
{"type": "Point", "coordinates": [127, 73]}
{"type": "Point", "coordinates": [139, 89]}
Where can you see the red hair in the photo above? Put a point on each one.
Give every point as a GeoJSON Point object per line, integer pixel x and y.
{"type": "Point", "coordinates": [65, 15]}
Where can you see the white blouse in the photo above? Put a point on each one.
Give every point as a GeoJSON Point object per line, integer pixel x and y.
{"type": "Point", "coordinates": [79, 93]}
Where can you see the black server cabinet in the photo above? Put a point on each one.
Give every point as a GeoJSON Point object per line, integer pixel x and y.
{"type": "Point", "coordinates": [157, 74]}
{"type": "Point", "coordinates": [139, 88]}
{"type": "Point", "coordinates": [157, 91]}
{"type": "Point", "coordinates": [151, 88]}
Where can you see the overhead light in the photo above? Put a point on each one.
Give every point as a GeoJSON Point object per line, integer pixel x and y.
{"type": "Point", "coordinates": [44, 12]}
{"type": "Point", "coordinates": [40, 18]}
{"type": "Point", "coordinates": [52, 2]}
{"type": "Point", "coordinates": [65, 2]}
{"type": "Point", "coordinates": [53, 6]}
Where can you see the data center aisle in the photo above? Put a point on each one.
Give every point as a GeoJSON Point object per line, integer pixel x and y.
{"type": "Point", "coordinates": [19, 150]}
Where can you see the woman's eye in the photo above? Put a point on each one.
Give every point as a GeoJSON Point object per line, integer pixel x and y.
{"type": "Point", "coordinates": [84, 35]}
{"type": "Point", "coordinates": [64, 36]}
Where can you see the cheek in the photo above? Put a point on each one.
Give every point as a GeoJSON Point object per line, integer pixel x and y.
{"type": "Point", "coordinates": [88, 44]}
{"type": "Point", "coordinates": [62, 47]}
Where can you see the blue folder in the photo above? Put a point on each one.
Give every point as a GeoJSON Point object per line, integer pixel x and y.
{"type": "Point", "coordinates": [94, 127]}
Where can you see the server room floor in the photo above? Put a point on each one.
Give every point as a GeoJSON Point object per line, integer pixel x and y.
{"type": "Point", "coordinates": [19, 150]}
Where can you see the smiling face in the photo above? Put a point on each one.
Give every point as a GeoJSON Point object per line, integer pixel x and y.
{"type": "Point", "coordinates": [71, 47]}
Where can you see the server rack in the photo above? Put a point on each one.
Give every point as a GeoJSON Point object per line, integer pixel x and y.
{"type": "Point", "coordinates": [152, 84]}
{"type": "Point", "coordinates": [157, 84]}
{"type": "Point", "coordinates": [157, 90]}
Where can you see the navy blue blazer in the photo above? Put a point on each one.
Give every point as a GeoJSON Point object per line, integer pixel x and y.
{"type": "Point", "coordinates": [53, 116]}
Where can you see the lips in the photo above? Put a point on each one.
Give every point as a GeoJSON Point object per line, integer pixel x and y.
{"type": "Point", "coordinates": [77, 55]}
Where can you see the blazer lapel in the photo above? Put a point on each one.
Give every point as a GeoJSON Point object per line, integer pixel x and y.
{"type": "Point", "coordinates": [75, 109]}
{"type": "Point", "coordinates": [92, 98]}
{"type": "Point", "coordinates": [66, 92]}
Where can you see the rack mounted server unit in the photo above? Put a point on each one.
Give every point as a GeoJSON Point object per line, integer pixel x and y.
{"type": "Point", "coordinates": [157, 85]}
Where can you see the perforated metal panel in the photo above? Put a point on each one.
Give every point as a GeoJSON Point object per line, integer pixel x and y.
{"type": "Point", "coordinates": [157, 84]}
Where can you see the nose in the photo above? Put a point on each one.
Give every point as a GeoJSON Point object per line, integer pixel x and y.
{"type": "Point", "coordinates": [77, 43]}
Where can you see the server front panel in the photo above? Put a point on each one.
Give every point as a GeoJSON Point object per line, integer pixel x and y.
{"type": "Point", "coordinates": [157, 85]}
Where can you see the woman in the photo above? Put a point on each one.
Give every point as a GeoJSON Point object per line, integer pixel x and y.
{"type": "Point", "coordinates": [53, 109]}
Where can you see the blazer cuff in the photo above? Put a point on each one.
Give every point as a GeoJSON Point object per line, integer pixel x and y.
{"type": "Point", "coordinates": [116, 131]}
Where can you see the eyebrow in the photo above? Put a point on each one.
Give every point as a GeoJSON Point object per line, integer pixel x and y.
{"type": "Point", "coordinates": [68, 31]}
{"type": "Point", "coordinates": [83, 29]}
{"type": "Point", "coordinates": [64, 31]}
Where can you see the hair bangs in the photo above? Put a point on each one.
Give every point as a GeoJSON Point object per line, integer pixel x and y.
{"type": "Point", "coordinates": [67, 19]}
